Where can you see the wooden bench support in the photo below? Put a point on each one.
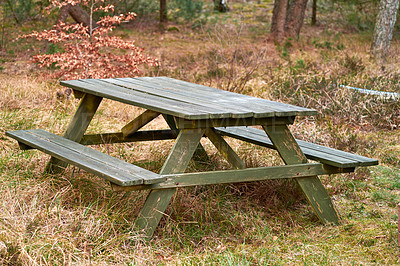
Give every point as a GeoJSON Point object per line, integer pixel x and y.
{"type": "Point", "coordinates": [236, 176]}
{"type": "Point", "coordinates": [110, 138]}
{"type": "Point", "coordinates": [112, 169]}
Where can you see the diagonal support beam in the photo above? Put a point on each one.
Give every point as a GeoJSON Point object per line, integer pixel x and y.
{"type": "Point", "coordinates": [223, 147]}
{"type": "Point", "coordinates": [139, 122]}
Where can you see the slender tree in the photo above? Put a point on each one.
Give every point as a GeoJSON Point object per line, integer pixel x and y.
{"type": "Point", "coordinates": [163, 12]}
{"type": "Point", "coordinates": [314, 13]}
{"type": "Point", "coordinates": [384, 29]}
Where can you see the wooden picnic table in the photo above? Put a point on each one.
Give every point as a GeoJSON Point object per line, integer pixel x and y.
{"type": "Point", "coordinates": [192, 111]}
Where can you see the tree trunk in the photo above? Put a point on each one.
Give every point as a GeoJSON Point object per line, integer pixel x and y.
{"type": "Point", "coordinates": [163, 11]}
{"type": "Point", "coordinates": [64, 12]}
{"type": "Point", "coordinates": [279, 20]}
{"type": "Point", "coordinates": [314, 13]}
{"type": "Point", "coordinates": [287, 19]}
{"type": "Point", "coordinates": [384, 29]}
{"type": "Point", "coordinates": [78, 14]}
{"type": "Point", "coordinates": [295, 18]}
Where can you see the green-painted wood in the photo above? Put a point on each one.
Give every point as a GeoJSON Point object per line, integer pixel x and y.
{"type": "Point", "coordinates": [312, 151]}
{"type": "Point", "coordinates": [110, 138]}
{"type": "Point", "coordinates": [78, 94]}
{"type": "Point", "coordinates": [139, 99]}
{"type": "Point", "coordinates": [316, 150]}
{"type": "Point", "coordinates": [234, 176]}
{"type": "Point", "coordinates": [147, 176]}
{"type": "Point", "coordinates": [139, 122]}
{"type": "Point", "coordinates": [228, 122]}
{"type": "Point", "coordinates": [285, 144]}
{"type": "Point", "coordinates": [182, 151]}
{"type": "Point", "coordinates": [280, 108]}
{"type": "Point", "coordinates": [169, 119]}
{"type": "Point", "coordinates": [200, 154]}
{"type": "Point", "coordinates": [185, 100]}
{"type": "Point", "coordinates": [158, 103]}
{"type": "Point", "coordinates": [311, 186]}
{"type": "Point", "coordinates": [226, 151]}
{"type": "Point", "coordinates": [177, 162]}
{"type": "Point", "coordinates": [218, 104]}
{"type": "Point", "coordinates": [259, 137]}
{"type": "Point", "coordinates": [77, 127]}
{"type": "Point", "coordinates": [98, 163]}
{"type": "Point", "coordinates": [258, 106]}
{"type": "Point", "coordinates": [260, 134]}
{"type": "Point", "coordinates": [238, 110]}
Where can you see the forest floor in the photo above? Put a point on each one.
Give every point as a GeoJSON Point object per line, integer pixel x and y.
{"type": "Point", "coordinates": [75, 218]}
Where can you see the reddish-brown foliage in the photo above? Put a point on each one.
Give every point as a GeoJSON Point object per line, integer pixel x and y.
{"type": "Point", "coordinates": [88, 51]}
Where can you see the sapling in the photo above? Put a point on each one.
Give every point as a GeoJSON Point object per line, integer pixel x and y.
{"type": "Point", "coordinates": [88, 51]}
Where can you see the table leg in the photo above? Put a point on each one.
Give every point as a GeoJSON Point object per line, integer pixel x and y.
{"type": "Point", "coordinates": [312, 187]}
{"type": "Point", "coordinates": [77, 127]}
{"type": "Point", "coordinates": [200, 154]}
{"type": "Point", "coordinates": [177, 162]}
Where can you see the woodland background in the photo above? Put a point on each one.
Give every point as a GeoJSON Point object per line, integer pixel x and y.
{"type": "Point", "coordinates": [76, 218]}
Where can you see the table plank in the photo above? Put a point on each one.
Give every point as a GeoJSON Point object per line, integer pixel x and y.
{"type": "Point", "coordinates": [204, 99]}
{"type": "Point", "coordinates": [280, 108]}
{"type": "Point", "coordinates": [140, 99]}
{"type": "Point", "coordinates": [218, 106]}
{"type": "Point", "coordinates": [225, 98]}
{"type": "Point", "coordinates": [183, 99]}
{"type": "Point", "coordinates": [212, 111]}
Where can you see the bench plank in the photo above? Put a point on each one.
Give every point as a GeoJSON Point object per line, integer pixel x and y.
{"type": "Point", "coordinates": [98, 163]}
{"type": "Point", "coordinates": [312, 151]}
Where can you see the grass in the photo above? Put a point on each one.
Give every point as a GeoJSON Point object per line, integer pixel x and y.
{"type": "Point", "coordinates": [75, 218]}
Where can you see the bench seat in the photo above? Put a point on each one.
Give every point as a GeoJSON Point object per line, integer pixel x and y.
{"type": "Point", "coordinates": [93, 161]}
{"type": "Point", "coordinates": [312, 151]}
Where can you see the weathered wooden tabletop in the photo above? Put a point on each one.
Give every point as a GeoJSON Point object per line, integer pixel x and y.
{"type": "Point", "coordinates": [183, 99]}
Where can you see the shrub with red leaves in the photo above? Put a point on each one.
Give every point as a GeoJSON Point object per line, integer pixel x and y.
{"type": "Point", "coordinates": [89, 51]}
